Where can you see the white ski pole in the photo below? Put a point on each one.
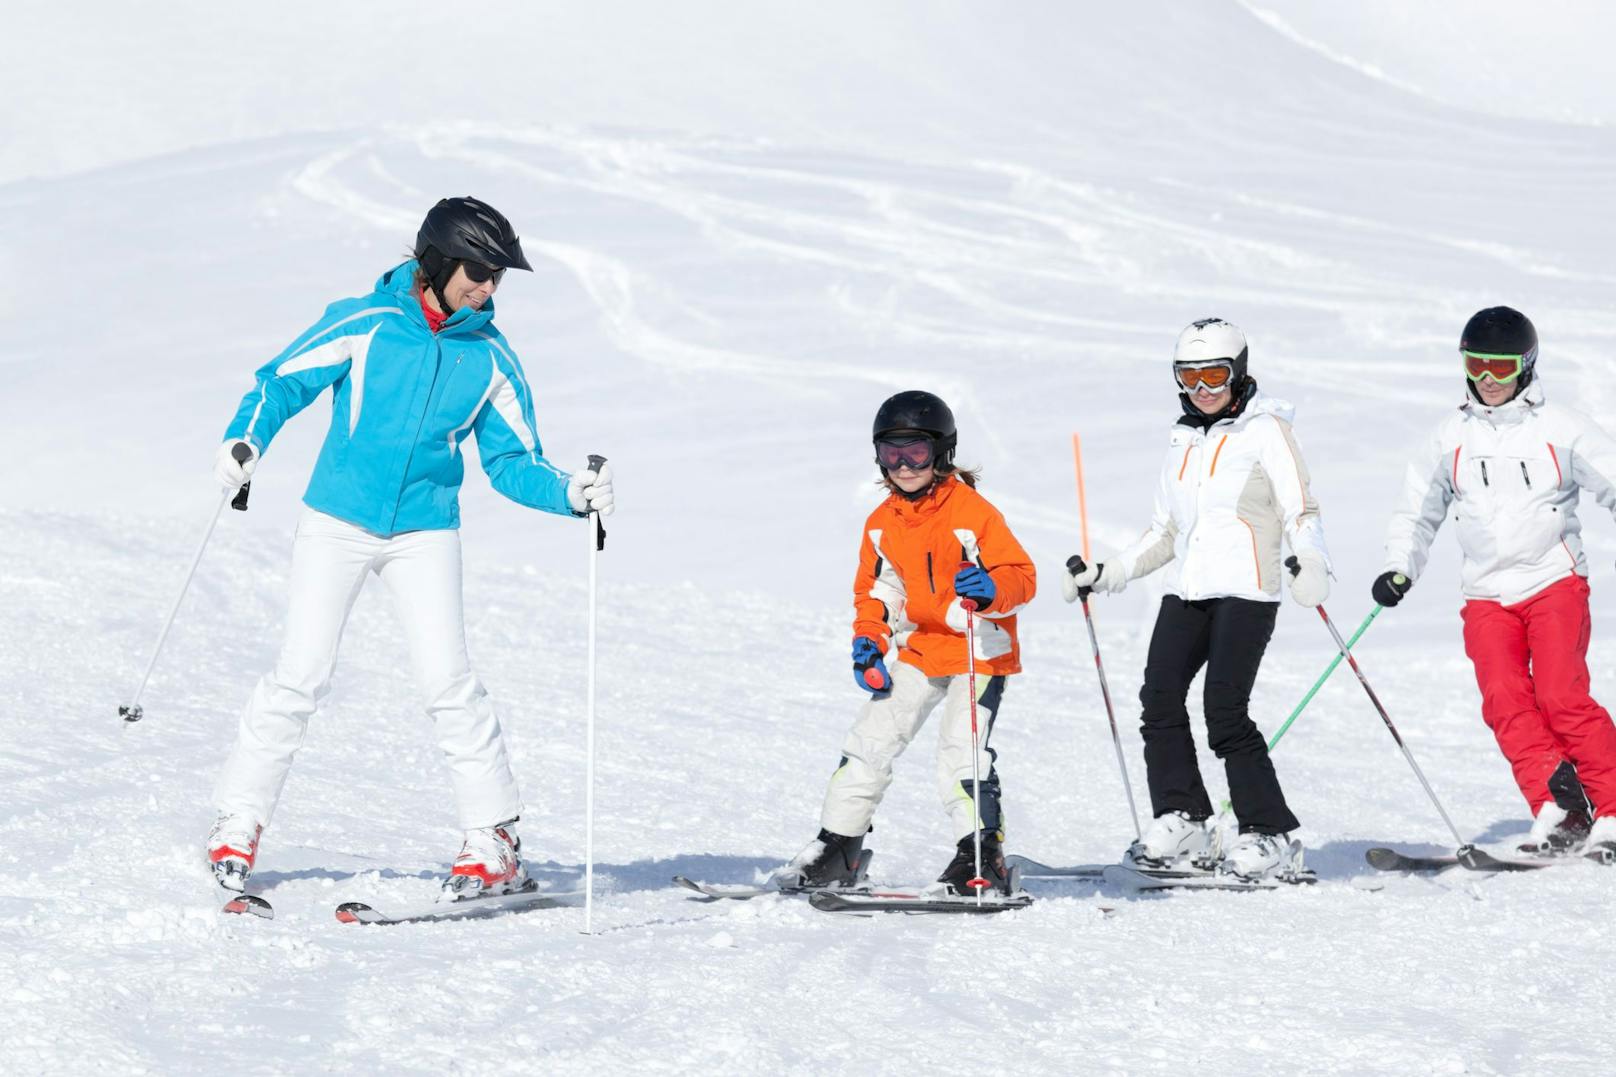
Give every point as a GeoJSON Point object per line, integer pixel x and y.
{"type": "Point", "coordinates": [977, 883]}
{"type": "Point", "coordinates": [597, 542]}
{"type": "Point", "coordinates": [1465, 848]}
{"type": "Point", "coordinates": [131, 711]}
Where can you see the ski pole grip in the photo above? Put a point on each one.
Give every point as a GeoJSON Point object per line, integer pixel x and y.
{"type": "Point", "coordinates": [241, 452]}
{"type": "Point", "coordinates": [1075, 565]}
{"type": "Point", "coordinates": [1293, 564]}
{"type": "Point", "coordinates": [966, 604]}
{"type": "Point", "coordinates": [596, 462]}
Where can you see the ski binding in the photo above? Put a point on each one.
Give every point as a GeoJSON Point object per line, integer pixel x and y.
{"type": "Point", "coordinates": [736, 892]}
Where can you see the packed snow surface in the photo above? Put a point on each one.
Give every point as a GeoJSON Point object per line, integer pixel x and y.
{"type": "Point", "coordinates": [748, 229]}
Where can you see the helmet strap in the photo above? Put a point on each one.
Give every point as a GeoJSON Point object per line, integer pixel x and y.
{"type": "Point", "coordinates": [439, 270]}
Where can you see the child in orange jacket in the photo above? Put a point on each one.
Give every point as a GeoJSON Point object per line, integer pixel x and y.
{"type": "Point", "coordinates": [911, 579]}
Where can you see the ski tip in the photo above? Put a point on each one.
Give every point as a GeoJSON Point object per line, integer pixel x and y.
{"type": "Point", "coordinates": [249, 905]}
{"type": "Point", "coordinates": [353, 912]}
{"type": "Point", "coordinates": [1383, 859]}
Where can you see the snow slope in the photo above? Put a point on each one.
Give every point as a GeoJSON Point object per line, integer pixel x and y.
{"type": "Point", "coordinates": [750, 228]}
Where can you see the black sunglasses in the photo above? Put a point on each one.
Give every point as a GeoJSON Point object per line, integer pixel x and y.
{"type": "Point", "coordinates": [477, 273]}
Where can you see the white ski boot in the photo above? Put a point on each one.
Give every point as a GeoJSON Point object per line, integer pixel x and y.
{"type": "Point", "coordinates": [1556, 831]}
{"type": "Point", "coordinates": [490, 862]}
{"type": "Point", "coordinates": [232, 849]}
{"type": "Point", "coordinates": [1174, 840]}
{"type": "Point", "coordinates": [1602, 839]}
{"type": "Point", "coordinates": [1263, 856]}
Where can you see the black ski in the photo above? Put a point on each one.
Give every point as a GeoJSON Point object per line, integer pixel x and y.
{"type": "Point", "coordinates": [742, 892]}
{"type": "Point", "coordinates": [1383, 859]}
{"type": "Point", "coordinates": [875, 901]}
{"type": "Point", "coordinates": [359, 912]}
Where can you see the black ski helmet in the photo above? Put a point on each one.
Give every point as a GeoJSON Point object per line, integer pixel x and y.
{"type": "Point", "coordinates": [465, 230]}
{"type": "Point", "coordinates": [917, 411]}
{"type": "Point", "coordinates": [1501, 331]}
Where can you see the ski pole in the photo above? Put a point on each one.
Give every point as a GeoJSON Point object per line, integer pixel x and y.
{"type": "Point", "coordinates": [1076, 565]}
{"type": "Point", "coordinates": [977, 883]}
{"type": "Point", "coordinates": [241, 452]}
{"type": "Point", "coordinates": [597, 542]}
{"type": "Point", "coordinates": [1311, 692]}
{"type": "Point", "coordinates": [1346, 652]}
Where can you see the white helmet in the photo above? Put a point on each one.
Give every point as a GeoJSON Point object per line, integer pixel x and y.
{"type": "Point", "coordinates": [1212, 340]}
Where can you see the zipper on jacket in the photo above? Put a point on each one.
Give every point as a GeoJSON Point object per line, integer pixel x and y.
{"type": "Point", "coordinates": [1484, 481]}
{"type": "Point", "coordinates": [929, 581]}
{"type": "Point", "coordinates": [1527, 475]}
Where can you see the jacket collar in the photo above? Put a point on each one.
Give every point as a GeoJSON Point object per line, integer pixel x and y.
{"type": "Point", "coordinates": [1521, 407]}
{"type": "Point", "coordinates": [930, 505]}
{"type": "Point", "coordinates": [400, 283]}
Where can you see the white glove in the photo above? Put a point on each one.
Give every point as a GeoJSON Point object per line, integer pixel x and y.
{"type": "Point", "coordinates": [1108, 576]}
{"type": "Point", "coordinates": [230, 471]}
{"type": "Point", "coordinates": [1310, 585]}
{"type": "Point", "coordinates": [590, 491]}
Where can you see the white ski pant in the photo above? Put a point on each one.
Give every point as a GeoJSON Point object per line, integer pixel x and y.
{"type": "Point", "coordinates": [421, 569]}
{"type": "Point", "coordinates": [884, 729]}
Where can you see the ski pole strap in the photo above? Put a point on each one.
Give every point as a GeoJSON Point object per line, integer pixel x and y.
{"type": "Point", "coordinates": [595, 462]}
{"type": "Point", "coordinates": [241, 453]}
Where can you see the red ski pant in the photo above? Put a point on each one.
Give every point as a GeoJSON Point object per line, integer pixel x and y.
{"type": "Point", "coordinates": [1531, 663]}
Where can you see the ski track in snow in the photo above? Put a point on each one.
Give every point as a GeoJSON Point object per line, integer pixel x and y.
{"type": "Point", "coordinates": [706, 307]}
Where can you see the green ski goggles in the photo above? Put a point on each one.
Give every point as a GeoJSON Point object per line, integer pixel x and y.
{"type": "Point", "coordinates": [1503, 369]}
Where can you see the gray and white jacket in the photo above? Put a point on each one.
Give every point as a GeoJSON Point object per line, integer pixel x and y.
{"type": "Point", "coordinates": [1227, 496]}
{"type": "Point", "coordinates": [1513, 475]}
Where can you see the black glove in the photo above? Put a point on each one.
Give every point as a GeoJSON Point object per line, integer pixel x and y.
{"type": "Point", "coordinates": [1390, 587]}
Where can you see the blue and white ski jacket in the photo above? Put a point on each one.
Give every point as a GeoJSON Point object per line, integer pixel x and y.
{"type": "Point", "coordinates": [403, 400]}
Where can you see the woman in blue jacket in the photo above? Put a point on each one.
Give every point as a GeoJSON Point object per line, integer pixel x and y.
{"type": "Point", "coordinates": [414, 367]}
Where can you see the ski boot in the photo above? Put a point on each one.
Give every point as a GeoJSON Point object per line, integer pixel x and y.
{"type": "Point", "coordinates": [1556, 831]}
{"type": "Point", "coordinates": [956, 878]}
{"type": "Point", "coordinates": [490, 863]}
{"type": "Point", "coordinates": [1262, 856]}
{"type": "Point", "coordinates": [830, 861]}
{"type": "Point", "coordinates": [1602, 840]}
{"type": "Point", "coordinates": [232, 849]}
{"type": "Point", "coordinates": [1174, 840]}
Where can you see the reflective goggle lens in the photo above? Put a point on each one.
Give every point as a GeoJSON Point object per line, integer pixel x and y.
{"type": "Point", "coordinates": [1501, 368]}
{"type": "Point", "coordinates": [477, 273]}
{"type": "Point", "coordinates": [1215, 377]}
{"type": "Point", "coordinates": [916, 454]}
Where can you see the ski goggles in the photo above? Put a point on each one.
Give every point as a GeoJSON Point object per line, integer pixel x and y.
{"type": "Point", "coordinates": [1501, 368]}
{"type": "Point", "coordinates": [916, 454]}
{"type": "Point", "coordinates": [1214, 378]}
{"type": "Point", "coordinates": [478, 273]}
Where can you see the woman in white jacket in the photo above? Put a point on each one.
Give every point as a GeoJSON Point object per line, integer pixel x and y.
{"type": "Point", "coordinates": [1233, 485]}
{"type": "Point", "coordinates": [1512, 466]}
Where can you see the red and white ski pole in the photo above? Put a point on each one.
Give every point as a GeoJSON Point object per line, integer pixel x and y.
{"type": "Point", "coordinates": [131, 711]}
{"type": "Point", "coordinates": [597, 542]}
{"type": "Point", "coordinates": [1076, 565]}
{"type": "Point", "coordinates": [977, 883]}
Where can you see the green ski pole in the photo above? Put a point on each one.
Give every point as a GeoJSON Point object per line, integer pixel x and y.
{"type": "Point", "coordinates": [1311, 692]}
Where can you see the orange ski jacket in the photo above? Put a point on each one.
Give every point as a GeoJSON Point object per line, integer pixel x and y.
{"type": "Point", "coordinates": [904, 593]}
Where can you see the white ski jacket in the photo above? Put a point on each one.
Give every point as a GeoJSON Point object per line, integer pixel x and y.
{"type": "Point", "coordinates": [1226, 497]}
{"type": "Point", "coordinates": [1514, 473]}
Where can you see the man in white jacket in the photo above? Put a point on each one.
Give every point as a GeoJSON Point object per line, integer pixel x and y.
{"type": "Point", "coordinates": [1513, 466]}
{"type": "Point", "coordinates": [1232, 487]}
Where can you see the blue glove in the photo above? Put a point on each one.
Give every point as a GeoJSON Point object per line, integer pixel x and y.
{"type": "Point", "coordinates": [869, 671]}
{"type": "Point", "coordinates": [975, 584]}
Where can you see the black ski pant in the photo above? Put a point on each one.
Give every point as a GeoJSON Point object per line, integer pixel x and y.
{"type": "Point", "coordinates": [1228, 636]}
